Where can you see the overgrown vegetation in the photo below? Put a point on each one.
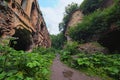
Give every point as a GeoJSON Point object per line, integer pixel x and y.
{"type": "Point", "coordinates": [19, 65]}
{"type": "Point", "coordinates": [67, 15]}
{"type": "Point", "coordinates": [86, 7]}
{"type": "Point", "coordinates": [71, 47]}
{"type": "Point", "coordinates": [96, 23]}
{"type": "Point", "coordinates": [58, 40]}
{"type": "Point", "coordinates": [89, 6]}
{"type": "Point", "coordinates": [105, 66]}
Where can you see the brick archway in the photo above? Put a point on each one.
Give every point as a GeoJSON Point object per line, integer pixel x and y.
{"type": "Point", "coordinates": [22, 40]}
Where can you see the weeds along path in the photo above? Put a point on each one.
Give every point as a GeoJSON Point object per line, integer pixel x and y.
{"type": "Point", "coordinates": [62, 72]}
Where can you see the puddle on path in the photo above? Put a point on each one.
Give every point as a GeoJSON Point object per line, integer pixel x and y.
{"type": "Point", "coordinates": [68, 74]}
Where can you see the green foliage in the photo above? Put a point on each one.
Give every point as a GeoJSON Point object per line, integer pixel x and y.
{"type": "Point", "coordinates": [89, 6]}
{"type": "Point", "coordinates": [19, 65]}
{"type": "Point", "coordinates": [43, 50]}
{"type": "Point", "coordinates": [97, 64]}
{"type": "Point", "coordinates": [71, 47]}
{"type": "Point", "coordinates": [90, 25]}
{"type": "Point", "coordinates": [58, 41]}
{"type": "Point", "coordinates": [71, 8]}
{"type": "Point", "coordinates": [68, 12]}
{"type": "Point", "coordinates": [108, 64]}
{"type": "Point", "coordinates": [96, 23]}
{"type": "Point", "coordinates": [65, 56]}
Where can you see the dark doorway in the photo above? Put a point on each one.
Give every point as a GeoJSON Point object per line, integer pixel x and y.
{"type": "Point", "coordinates": [23, 40]}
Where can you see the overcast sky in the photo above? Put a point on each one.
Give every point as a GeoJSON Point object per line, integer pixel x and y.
{"type": "Point", "coordinates": [53, 11]}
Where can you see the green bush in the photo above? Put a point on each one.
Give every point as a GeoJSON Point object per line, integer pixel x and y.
{"type": "Point", "coordinates": [98, 64]}
{"type": "Point", "coordinates": [43, 50]}
{"type": "Point", "coordinates": [58, 41]}
{"type": "Point", "coordinates": [19, 65]}
{"type": "Point", "coordinates": [71, 47]}
{"type": "Point", "coordinates": [65, 56]}
{"type": "Point", "coordinates": [108, 64]}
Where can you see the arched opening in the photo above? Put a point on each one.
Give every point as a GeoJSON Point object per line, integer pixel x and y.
{"type": "Point", "coordinates": [32, 10]}
{"type": "Point", "coordinates": [23, 40]}
{"type": "Point", "coordinates": [34, 14]}
{"type": "Point", "coordinates": [24, 4]}
{"type": "Point", "coordinates": [111, 41]}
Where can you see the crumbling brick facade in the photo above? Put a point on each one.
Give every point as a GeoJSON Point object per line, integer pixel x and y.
{"type": "Point", "coordinates": [23, 19]}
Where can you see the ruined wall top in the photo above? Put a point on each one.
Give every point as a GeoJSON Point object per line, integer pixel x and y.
{"type": "Point", "coordinates": [24, 14]}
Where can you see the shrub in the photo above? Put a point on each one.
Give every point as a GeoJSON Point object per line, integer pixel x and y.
{"type": "Point", "coordinates": [19, 65]}
{"type": "Point", "coordinates": [98, 64]}
{"type": "Point", "coordinates": [71, 47]}
{"type": "Point", "coordinates": [58, 41]}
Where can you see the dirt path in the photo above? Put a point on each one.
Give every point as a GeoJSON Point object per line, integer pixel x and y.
{"type": "Point", "coordinates": [62, 72]}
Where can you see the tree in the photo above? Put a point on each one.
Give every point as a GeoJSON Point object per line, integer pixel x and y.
{"type": "Point", "coordinates": [89, 6]}
{"type": "Point", "coordinates": [67, 15]}
{"type": "Point", "coordinates": [58, 40]}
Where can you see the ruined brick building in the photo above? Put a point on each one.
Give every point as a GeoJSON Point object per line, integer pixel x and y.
{"type": "Point", "coordinates": [23, 20]}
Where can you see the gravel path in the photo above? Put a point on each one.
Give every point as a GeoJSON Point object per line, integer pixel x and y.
{"type": "Point", "coordinates": [62, 72]}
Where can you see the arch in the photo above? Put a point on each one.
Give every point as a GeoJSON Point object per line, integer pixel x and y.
{"type": "Point", "coordinates": [34, 14]}
{"type": "Point", "coordinates": [22, 26]}
{"type": "Point", "coordinates": [24, 4]}
{"type": "Point", "coordinates": [23, 40]}
{"type": "Point", "coordinates": [32, 9]}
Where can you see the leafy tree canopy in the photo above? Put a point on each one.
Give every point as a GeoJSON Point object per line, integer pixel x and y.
{"type": "Point", "coordinates": [58, 40]}
{"type": "Point", "coordinates": [89, 6]}
{"type": "Point", "coordinates": [67, 15]}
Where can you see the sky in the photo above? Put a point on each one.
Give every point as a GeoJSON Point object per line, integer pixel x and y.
{"type": "Point", "coordinates": [53, 12]}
